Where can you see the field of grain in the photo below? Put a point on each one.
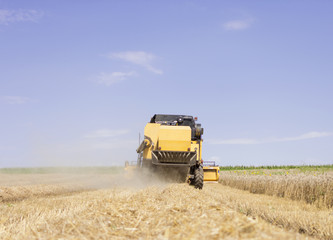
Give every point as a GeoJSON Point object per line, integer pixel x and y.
{"type": "Point", "coordinates": [114, 206]}
{"type": "Point", "coordinates": [312, 187]}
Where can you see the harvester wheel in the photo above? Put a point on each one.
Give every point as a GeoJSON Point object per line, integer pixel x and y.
{"type": "Point", "coordinates": [198, 177]}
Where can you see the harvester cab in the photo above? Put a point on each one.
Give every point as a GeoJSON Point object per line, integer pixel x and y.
{"type": "Point", "coordinates": [172, 146]}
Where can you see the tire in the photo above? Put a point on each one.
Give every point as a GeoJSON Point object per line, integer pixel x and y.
{"type": "Point", "coordinates": [198, 177]}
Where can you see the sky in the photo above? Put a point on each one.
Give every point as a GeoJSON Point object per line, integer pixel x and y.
{"type": "Point", "coordinates": [79, 80]}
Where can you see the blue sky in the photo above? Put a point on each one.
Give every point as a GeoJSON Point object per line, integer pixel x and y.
{"type": "Point", "coordinates": [80, 79]}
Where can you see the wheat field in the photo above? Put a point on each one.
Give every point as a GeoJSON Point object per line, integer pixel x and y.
{"type": "Point", "coordinates": [311, 187]}
{"type": "Point", "coordinates": [113, 206]}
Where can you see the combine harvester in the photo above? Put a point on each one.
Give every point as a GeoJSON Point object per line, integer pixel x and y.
{"type": "Point", "coordinates": [172, 147]}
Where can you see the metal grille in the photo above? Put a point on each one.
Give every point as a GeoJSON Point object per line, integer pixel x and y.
{"type": "Point", "coordinates": [174, 157]}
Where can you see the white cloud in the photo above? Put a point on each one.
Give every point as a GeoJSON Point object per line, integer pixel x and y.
{"type": "Point", "coordinates": [247, 141]}
{"type": "Point", "coordinates": [235, 25]}
{"type": "Point", "coordinates": [108, 139]}
{"type": "Point", "coordinates": [234, 141]}
{"type": "Point", "coordinates": [114, 77]}
{"type": "Point", "coordinates": [106, 133]}
{"type": "Point", "coordinates": [214, 158]}
{"type": "Point", "coordinates": [114, 144]}
{"type": "Point", "coordinates": [16, 99]}
{"type": "Point", "coordinates": [140, 58]}
{"type": "Point", "coordinates": [20, 15]}
{"type": "Point", "coordinates": [304, 136]}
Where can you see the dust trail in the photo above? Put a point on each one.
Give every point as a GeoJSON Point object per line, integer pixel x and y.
{"type": "Point", "coordinates": [16, 187]}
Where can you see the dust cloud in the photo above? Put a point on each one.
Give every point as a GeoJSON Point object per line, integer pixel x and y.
{"type": "Point", "coordinates": [18, 184]}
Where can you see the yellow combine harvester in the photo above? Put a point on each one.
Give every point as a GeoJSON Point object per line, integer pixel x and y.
{"type": "Point", "coordinates": [172, 146]}
{"type": "Point", "coordinates": [211, 171]}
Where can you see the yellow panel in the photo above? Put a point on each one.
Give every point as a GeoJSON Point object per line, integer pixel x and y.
{"type": "Point", "coordinates": [197, 146]}
{"type": "Point", "coordinates": [151, 131]}
{"type": "Point", "coordinates": [174, 138]}
{"type": "Point", "coordinates": [211, 173]}
{"type": "Point", "coordinates": [194, 147]}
